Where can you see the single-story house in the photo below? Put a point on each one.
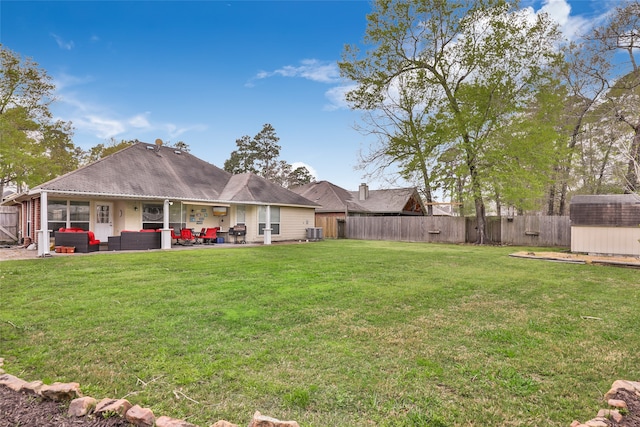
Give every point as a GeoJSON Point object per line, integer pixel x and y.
{"type": "Point", "coordinates": [336, 203]}
{"type": "Point", "coordinates": [605, 224]}
{"type": "Point", "coordinates": [150, 186]}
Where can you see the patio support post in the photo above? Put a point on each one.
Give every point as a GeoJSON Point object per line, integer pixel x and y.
{"type": "Point", "coordinates": [166, 231]}
{"type": "Point", "coordinates": [43, 233]}
{"type": "Point", "coordinates": [267, 226]}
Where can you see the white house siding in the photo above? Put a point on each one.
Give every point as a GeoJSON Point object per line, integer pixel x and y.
{"type": "Point", "coordinates": [294, 223]}
{"type": "Point", "coordinates": [606, 240]}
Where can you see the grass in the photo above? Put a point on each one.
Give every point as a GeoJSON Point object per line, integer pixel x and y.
{"type": "Point", "coordinates": [334, 333]}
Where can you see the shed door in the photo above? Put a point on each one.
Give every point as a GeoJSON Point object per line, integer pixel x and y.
{"type": "Point", "coordinates": [104, 221]}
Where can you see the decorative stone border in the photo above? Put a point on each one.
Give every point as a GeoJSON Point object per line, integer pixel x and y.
{"type": "Point", "coordinates": [81, 406]}
{"type": "Point", "coordinates": [614, 414]}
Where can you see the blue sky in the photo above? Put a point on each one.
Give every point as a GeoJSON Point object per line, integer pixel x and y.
{"type": "Point", "coordinates": [209, 72]}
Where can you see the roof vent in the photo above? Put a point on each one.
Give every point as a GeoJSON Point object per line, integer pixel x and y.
{"type": "Point", "coordinates": [177, 151]}
{"type": "Point", "coordinates": [150, 147]}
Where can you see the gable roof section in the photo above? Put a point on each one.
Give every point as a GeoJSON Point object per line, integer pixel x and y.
{"type": "Point", "coordinates": [151, 171]}
{"type": "Point", "coordinates": [332, 198]}
{"type": "Point", "coordinates": [391, 201]}
{"type": "Point", "coordinates": [250, 188]}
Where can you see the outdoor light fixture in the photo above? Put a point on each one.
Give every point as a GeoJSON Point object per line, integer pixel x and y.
{"type": "Point", "coordinates": [135, 208]}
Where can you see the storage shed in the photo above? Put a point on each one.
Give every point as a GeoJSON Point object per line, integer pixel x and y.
{"type": "Point", "coordinates": [606, 224]}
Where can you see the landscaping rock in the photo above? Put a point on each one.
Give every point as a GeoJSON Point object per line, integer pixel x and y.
{"type": "Point", "coordinates": [633, 386]}
{"type": "Point", "coordinates": [61, 391]}
{"type": "Point", "coordinates": [14, 383]}
{"type": "Point", "coordinates": [139, 416]}
{"type": "Point", "coordinates": [616, 403]}
{"type": "Point", "coordinates": [82, 406]}
{"type": "Point", "coordinates": [172, 422]}
{"type": "Point", "coordinates": [115, 406]}
{"type": "Point", "coordinates": [223, 423]}
{"type": "Point", "coordinates": [34, 387]}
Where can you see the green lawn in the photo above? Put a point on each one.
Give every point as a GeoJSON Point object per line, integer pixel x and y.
{"type": "Point", "coordinates": [333, 333]}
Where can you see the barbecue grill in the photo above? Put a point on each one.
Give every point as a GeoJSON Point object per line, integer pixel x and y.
{"type": "Point", "coordinates": [239, 230]}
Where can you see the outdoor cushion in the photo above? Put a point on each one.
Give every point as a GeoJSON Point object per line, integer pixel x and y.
{"type": "Point", "coordinates": [92, 238]}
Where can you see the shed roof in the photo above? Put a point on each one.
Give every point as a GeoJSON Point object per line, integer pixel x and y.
{"type": "Point", "coordinates": [605, 199]}
{"type": "Point", "coordinates": [607, 210]}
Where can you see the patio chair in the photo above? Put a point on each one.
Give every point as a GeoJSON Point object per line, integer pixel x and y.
{"type": "Point", "coordinates": [200, 235]}
{"type": "Point", "coordinates": [175, 236]}
{"type": "Point", "coordinates": [186, 235]}
{"type": "Point", "coordinates": [209, 236]}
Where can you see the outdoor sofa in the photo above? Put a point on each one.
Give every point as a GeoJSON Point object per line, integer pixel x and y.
{"type": "Point", "coordinates": [84, 241]}
{"type": "Point", "coordinates": [136, 240]}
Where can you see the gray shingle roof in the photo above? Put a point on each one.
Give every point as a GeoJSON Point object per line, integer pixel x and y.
{"type": "Point", "coordinates": [332, 198]}
{"type": "Point", "coordinates": [150, 171]}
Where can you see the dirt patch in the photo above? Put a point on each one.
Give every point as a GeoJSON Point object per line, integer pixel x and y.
{"type": "Point", "coordinates": [20, 409]}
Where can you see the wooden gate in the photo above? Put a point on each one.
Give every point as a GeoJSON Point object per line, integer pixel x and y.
{"type": "Point", "coordinates": [9, 221]}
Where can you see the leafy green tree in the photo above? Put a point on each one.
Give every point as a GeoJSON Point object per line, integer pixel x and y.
{"type": "Point", "coordinates": [102, 150]}
{"type": "Point", "coordinates": [299, 176]}
{"type": "Point", "coordinates": [260, 155]}
{"type": "Point", "coordinates": [33, 147]}
{"type": "Point", "coordinates": [480, 64]}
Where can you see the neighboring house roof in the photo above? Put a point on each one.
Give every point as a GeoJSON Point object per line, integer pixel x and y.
{"type": "Point", "coordinates": [152, 171]}
{"type": "Point", "coordinates": [332, 198]}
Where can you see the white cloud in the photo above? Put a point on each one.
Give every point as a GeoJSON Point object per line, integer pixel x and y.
{"type": "Point", "coordinates": [62, 44]}
{"type": "Point", "coordinates": [337, 97]}
{"type": "Point", "coordinates": [310, 69]}
{"type": "Point", "coordinates": [560, 11]}
{"type": "Point", "coordinates": [100, 121]}
{"type": "Point", "coordinates": [175, 131]}
{"type": "Point", "coordinates": [64, 81]}
{"type": "Point", "coordinates": [140, 121]}
{"type": "Point", "coordinates": [101, 126]}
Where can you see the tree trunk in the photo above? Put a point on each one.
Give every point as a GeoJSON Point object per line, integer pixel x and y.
{"type": "Point", "coordinates": [634, 160]}
{"type": "Point", "coordinates": [482, 222]}
{"type": "Point", "coordinates": [552, 199]}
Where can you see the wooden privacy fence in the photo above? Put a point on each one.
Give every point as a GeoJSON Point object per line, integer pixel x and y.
{"type": "Point", "coordinates": [517, 231]}
{"type": "Point", "coordinates": [9, 221]}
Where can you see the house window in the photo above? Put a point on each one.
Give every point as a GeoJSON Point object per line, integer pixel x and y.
{"type": "Point", "coordinates": [68, 213]}
{"type": "Point", "coordinates": [152, 217]}
{"type": "Point", "coordinates": [275, 219]}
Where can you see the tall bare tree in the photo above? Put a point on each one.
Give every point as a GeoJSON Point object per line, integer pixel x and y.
{"type": "Point", "coordinates": [621, 34]}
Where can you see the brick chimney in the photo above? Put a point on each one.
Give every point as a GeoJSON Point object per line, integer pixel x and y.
{"type": "Point", "coordinates": [363, 192]}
